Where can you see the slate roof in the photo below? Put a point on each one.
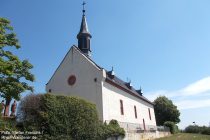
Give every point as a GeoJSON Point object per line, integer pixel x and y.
{"type": "Point", "coordinates": [124, 86]}
{"type": "Point", "coordinates": [83, 28]}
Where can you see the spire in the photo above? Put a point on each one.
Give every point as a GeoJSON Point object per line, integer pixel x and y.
{"type": "Point", "coordinates": [84, 35]}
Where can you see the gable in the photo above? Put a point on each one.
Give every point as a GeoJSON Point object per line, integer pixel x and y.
{"type": "Point", "coordinates": [69, 59]}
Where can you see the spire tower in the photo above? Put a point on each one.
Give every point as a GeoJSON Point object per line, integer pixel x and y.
{"type": "Point", "coordinates": [84, 35]}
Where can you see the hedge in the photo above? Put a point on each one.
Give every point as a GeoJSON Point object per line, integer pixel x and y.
{"type": "Point", "coordinates": [64, 117]}
{"type": "Point", "coordinates": [60, 115]}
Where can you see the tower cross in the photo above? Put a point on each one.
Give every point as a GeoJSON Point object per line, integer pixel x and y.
{"type": "Point", "coordinates": [83, 4]}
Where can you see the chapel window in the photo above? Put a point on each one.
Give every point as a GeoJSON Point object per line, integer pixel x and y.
{"type": "Point", "coordinates": [121, 107]}
{"type": "Point", "coordinates": [135, 111]}
{"type": "Point", "coordinates": [149, 114]}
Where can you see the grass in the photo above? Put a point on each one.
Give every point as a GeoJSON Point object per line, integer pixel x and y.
{"type": "Point", "coordinates": [186, 136]}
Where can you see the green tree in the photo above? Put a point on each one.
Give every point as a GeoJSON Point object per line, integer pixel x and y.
{"type": "Point", "coordinates": [14, 73]}
{"type": "Point", "coordinates": [165, 110]}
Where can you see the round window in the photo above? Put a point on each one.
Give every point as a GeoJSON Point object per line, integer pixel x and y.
{"type": "Point", "coordinates": [72, 80]}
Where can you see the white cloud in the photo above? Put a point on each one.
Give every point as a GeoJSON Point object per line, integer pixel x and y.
{"type": "Point", "coordinates": [183, 97]}
{"type": "Point", "coordinates": [190, 104]}
{"type": "Point", "coordinates": [198, 87]}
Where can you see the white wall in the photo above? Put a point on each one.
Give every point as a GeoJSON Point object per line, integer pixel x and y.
{"type": "Point", "coordinates": [75, 63]}
{"type": "Point", "coordinates": [111, 106]}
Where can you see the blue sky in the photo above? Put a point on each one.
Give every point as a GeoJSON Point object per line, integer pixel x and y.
{"type": "Point", "coordinates": [161, 45]}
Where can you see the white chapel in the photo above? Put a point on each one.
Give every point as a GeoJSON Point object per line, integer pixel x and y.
{"type": "Point", "coordinates": [78, 75]}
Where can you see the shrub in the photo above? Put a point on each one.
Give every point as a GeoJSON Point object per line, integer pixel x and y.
{"type": "Point", "coordinates": [62, 117]}
{"type": "Point", "coordinates": [192, 129]}
{"type": "Point", "coordinates": [197, 129]}
{"type": "Point", "coordinates": [115, 129]}
{"type": "Point", "coordinates": [0, 111]}
{"type": "Point", "coordinates": [28, 111]}
{"type": "Point", "coordinates": [205, 130]}
{"type": "Point", "coordinates": [173, 127]}
{"type": "Point", "coordinates": [8, 124]}
{"type": "Point", "coordinates": [112, 130]}
{"type": "Point", "coordinates": [59, 115]}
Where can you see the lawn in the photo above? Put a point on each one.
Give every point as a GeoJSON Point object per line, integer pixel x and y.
{"type": "Point", "coordinates": [187, 136]}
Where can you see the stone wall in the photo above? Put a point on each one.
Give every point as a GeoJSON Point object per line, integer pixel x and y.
{"type": "Point", "coordinates": [144, 135]}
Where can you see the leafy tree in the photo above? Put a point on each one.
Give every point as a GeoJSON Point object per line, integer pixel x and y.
{"type": "Point", "coordinates": [14, 73]}
{"type": "Point", "coordinates": [165, 110]}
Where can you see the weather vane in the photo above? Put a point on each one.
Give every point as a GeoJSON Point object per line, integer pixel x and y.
{"type": "Point", "coordinates": [83, 4]}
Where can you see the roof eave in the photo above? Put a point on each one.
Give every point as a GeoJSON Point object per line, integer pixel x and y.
{"type": "Point", "coordinates": [126, 90]}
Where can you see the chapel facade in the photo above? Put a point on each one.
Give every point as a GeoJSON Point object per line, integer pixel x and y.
{"type": "Point", "coordinates": [78, 75]}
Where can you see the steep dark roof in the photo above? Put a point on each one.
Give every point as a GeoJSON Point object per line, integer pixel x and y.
{"type": "Point", "coordinates": [84, 28]}
{"type": "Point", "coordinates": [117, 82]}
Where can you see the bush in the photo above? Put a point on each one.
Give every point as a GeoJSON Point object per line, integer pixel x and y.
{"type": "Point", "coordinates": [28, 111]}
{"type": "Point", "coordinates": [173, 127]}
{"type": "Point", "coordinates": [8, 124]}
{"type": "Point", "coordinates": [192, 129]}
{"type": "Point", "coordinates": [59, 115]}
{"type": "Point", "coordinates": [0, 111]}
{"type": "Point", "coordinates": [197, 129]}
{"type": "Point", "coordinates": [205, 130]}
{"type": "Point", "coordinates": [62, 117]}
{"type": "Point", "coordinates": [112, 130]}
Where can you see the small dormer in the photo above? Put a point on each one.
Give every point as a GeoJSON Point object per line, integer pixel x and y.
{"type": "Point", "coordinates": [140, 91]}
{"type": "Point", "coordinates": [129, 85]}
{"type": "Point", "coordinates": [111, 73]}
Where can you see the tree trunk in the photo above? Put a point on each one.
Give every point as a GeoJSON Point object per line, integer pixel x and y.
{"type": "Point", "coordinates": [7, 105]}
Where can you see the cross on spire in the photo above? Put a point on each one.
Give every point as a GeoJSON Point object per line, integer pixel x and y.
{"type": "Point", "coordinates": [83, 4]}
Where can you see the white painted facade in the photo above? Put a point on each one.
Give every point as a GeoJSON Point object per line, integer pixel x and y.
{"type": "Point", "coordinates": [91, 85]}
{"type": "Point", "coordinates": [111, 106]}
